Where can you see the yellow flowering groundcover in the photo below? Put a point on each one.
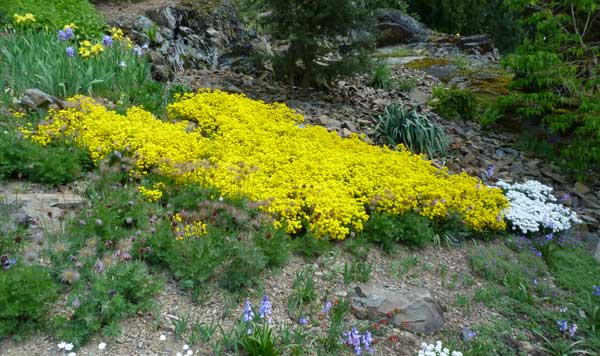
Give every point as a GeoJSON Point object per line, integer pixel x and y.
{"type": "Point", "coordinates": [303, 175]}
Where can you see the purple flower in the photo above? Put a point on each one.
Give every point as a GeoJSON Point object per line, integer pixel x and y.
{"type": "Point", "coordinates": [563, 326]}
{"type": "Point", "coordinates": [535, 282]}
{"type": "Point", "coordinates": [7, 262]}
{"type": "Point", "coordinates": [266, 308]}
{"type": "Point", "coordinates": [71, 53]}
{"type": "Point", "coordinates": [107, 40]}
{"type": "Point", "coordinates": [62, 35]}
{"type": "Point", "coordinates": [69, 32]}
{"type": "Point", "coordinates": [489, 172]}
{"type": "Point", "coordinates": [248, 313]}
{"type": "Point", "coordinates": [366, 341]}
{"type": "Point", "coordinates": [596, 291]}
{"type": "Point", "coordinates": [326, 307]}
{"type": "Point", "coordinates": [468, 334]}
{"type": "Point", "coordinates": [565, 198]}
{"type": "Point", "coordinates": [354, 340]}
{"type": "Point", "coordinates": [572, 330]}
{"type": "Point", "coordinates": [303, 321]}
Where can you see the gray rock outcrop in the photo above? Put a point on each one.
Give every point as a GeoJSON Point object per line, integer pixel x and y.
{"type": "Point", "coordinates": [397, 27]}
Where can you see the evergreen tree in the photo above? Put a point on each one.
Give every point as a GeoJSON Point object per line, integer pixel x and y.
{"type": "Point", "coordinates": [324, 38]}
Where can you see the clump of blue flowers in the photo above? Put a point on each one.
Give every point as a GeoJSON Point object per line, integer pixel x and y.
{"type": "Point", "coordinates": [359, 342]}
{"type": "Point", "coordinates": [266, 309]}
{"type": "Point", "coordinates": [564, 328]}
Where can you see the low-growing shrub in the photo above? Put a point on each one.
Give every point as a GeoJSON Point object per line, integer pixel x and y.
{"type": "Point", "coordinates": [455, 104]}
{"type": "Point", "coordinates": [55, 14]}
{"type": "Point", "coordinates": [53, 164]}
{"type": "Point", "coordinates": [26, 293]}
{"type": "Point", "coordinates": [118, 292]}
{"type": "Point", "coordinates": [397, 125]}
{"type": "Point", "coordinates": [387, 230]}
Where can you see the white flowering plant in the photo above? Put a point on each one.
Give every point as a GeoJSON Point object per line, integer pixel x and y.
{"type": "Point", "coordinates": [437, 350]}
{"type": "Point", "coordinates": [534, 209]}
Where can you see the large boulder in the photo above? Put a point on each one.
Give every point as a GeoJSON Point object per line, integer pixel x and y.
{"type": "Point", "coordinates": [397, 27]}
{"type": "Point", "coordinates": [413, 309]}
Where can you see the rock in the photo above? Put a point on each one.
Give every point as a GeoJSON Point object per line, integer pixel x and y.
{"type": "Point", "coordinates": [413, 310]}
{"type": "Point", "coordinates": [592, 241]}
{"type": "Point", "coordinates": [417, 96]}
{"type": "Point", "coordinates": [328, 122]}
{"type": "Point", "coordinates": [397, 27]}
{"type": "Point", "coordinates": [166, 17]}
{"type": "Point", "coordinates": [144, 24]}
{"type": "Point", "coordinates": [477, 44]}
{"type": "Point", "coordinates": [443, 72]}
{"type": "Point", "coordinates": [581, 189]}
{"type": "Point", "coordinates": [349, 125]}
{"type": "Point", "coordinates": [35, 98]}
{"type": "Point", "coordinates": [45, 209]}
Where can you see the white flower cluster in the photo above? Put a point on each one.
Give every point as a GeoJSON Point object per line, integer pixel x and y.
{"type": "Point", "coordinates": [532, 207]}
{"type": "Point", "coordinates": [436, 350]}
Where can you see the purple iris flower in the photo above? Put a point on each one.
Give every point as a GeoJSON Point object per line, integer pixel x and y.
{"type": "Point", "coordinates": [266, 308]}
{"type": "Point", "coordinates": [70, 52]}
{"type": "Point", "coordinates": [562, 325]}
{"type": "Point", "coordinates": [303, 321]}
{"type": "Point", "coordinates": [596, 291]}
{"type": "Point", "coordinates": [326, 307]}
{"type": "Point", "coordinates": [107, 40]}
{"type": "Point", "coordinates": [62, 35]}
{"type": "Point", "coordinates": [248, 313]}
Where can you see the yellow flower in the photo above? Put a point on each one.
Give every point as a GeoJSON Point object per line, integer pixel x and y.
{"type": "Point", "coordinates": [24, 19]}
{"type": "Point", "coordinates": [97, 49]}
{"type": "Point", "coordinates": [85, 43]}
{"type": "Point", "coordinates": [152, 195]}
{"type": "Point", "coordinates": [117, 33]}
{"type": "Point", "coordinates": [128, 42]}
{"type": "Point", "coordinates": [304, 177]}
{"type": "Point", "coordinates": [71, 25]}
{"type": "Point", "coordinates": [84, 52]}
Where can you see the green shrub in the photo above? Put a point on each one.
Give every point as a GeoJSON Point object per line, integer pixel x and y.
{"type": "Point", "coordinates": [386, 230]}
{"type": "Point", "coordinates": [455, 104]}
{"type": "Point", "coordinates": [381, 77]}
{"type": "Point", "coordinates": [555, 75]}
{"type": "Point", "coordinates": [25, 295]}
{"type": "Point", "coordinates": [398, 125]}
{"type": "Point", "coordinates": [33, 59]}
{"type": "Point", "coordinates": [56, 14]}
{"type": "Point", "coordinates": [54, 164]}
{"type": "Point", "coordinates": [260, 341]}
{"type": "Point", "coordinates": [319, 34]}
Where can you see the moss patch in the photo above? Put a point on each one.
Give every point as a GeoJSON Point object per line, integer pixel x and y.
{"type": "Point", "coordinates": [427, 62]}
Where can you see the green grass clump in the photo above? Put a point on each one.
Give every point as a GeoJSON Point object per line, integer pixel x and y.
{"type": "Point", "coordinates": [387, 230]}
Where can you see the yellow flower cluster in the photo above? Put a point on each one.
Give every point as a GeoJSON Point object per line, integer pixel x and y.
{"type": "Point", "coordinates": [152, 195]}
{"type": "Point", "coordinates": [183, 231]}
{"type": "Point", "coordinates": [118, 35]}
{"type": "Point", "coordinates": [23, 19]}
{"type": "Point", "coordinates": [87, 49]}
{"type": "Point", "coordinates": [305, 176]}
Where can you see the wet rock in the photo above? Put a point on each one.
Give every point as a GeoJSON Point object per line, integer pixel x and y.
{"type": "Point", "coordinates": [411, 309]}
{"type": "Point", "coordinates": [397, 27]}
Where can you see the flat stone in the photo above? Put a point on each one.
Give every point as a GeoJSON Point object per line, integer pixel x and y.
{"type": "Point", "coordinates": [410, 309]}
{"type": "Point", "coordinates": [582, 189]}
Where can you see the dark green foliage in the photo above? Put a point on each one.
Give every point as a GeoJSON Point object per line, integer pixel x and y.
{"type": "Point", "coordinates": [26, 293]}
{"type": "Point", "coordinates": [310, 246]}
{"type": "Point", "coordinates": [304, 291]}
{"type": "Point", "coordinates": [471, 17]}
{"type": "Point", "coordinates": [55, 14]}
{"type": "Point", "coordinates": [397, 125]}
{"type": "Point", "coordinates": [319, 35]}
{"type": "Point", "coordinates": [244, 264]}
{"type": "Point", "coordinates": [455, 104]}
{"type": "Point", "coordinates": [386, 230]}
{"type": "Point", "coordinates": [53, 164]}
{"type": "Point", "coordinates": [121, 291]}
{"type": "Point", "coordinates": [556, 77]}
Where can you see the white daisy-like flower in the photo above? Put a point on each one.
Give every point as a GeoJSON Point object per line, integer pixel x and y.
{"type": "Point", "coordinates": [68, 347]}
{"type": "Point", "coordinates": [189, 353]}
{"type": "Point", "coordinates": [162, 338]}
{"type": "Point", "coordinates": [101, 346]}
{"type": "Point", "coordinates": [186, 347]}
{"type": "Point", "coordinates": [178, 354]}
{"type": "Point", "coordinates": [71, 354]}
